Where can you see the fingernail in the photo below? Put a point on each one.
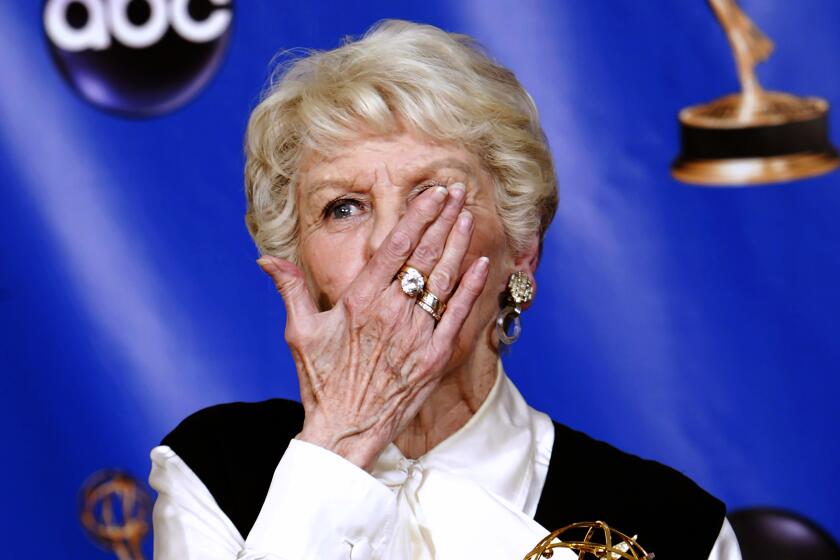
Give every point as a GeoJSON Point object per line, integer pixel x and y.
{"type": "Point", "coordinates": [266, 264]}
{"type": "Point", "coordinates": [464, 221]}
{"type": "Point", "coordinates": [458, 190]}
{"type": "Point", "coordinates": [482, 265]}
{"type": "Point", "coordinates": [440, 193]}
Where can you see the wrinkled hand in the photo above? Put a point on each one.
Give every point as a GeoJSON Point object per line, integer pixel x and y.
{"type": "Point", "coordinates": [367, 365]}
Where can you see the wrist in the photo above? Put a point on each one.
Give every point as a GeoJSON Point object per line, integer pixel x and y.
{"type": "Point", "coordinates": [356, 449]}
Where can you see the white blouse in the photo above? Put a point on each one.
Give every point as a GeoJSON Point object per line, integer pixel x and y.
{"type": "Point", "coordinates": [472, 496]}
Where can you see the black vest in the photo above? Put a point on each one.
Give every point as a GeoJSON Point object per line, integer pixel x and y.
{"type": "Point", "coordinates": [234, 449]}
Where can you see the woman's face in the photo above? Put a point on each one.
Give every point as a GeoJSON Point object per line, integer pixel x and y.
{"type": "Point", "coordinates": [349, 202]}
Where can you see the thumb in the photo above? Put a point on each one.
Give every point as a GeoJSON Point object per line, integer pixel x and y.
{"type": "Point", "coordinates": [291, 284]}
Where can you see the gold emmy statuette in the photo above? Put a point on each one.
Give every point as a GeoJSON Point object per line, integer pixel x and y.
{"type": "Point", "coordinates": [590, 540]}
{"type": "Point", "coordinates": [114, 510]}
{"type": "Point", "coordinates": [754, 136]}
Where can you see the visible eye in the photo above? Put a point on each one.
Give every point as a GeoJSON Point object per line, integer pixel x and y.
{"type": "Point", "coordinates": [342, 209]}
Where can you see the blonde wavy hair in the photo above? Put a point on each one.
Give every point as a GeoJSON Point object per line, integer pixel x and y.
{"type": "Point", "coordinates": [399, 74]}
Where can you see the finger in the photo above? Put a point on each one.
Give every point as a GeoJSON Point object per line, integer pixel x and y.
{"type": "Point", "coordinates": [443, 277]}
{"type": "Point", "coordinates": [291, 284]}
{"type": "Point", "coordinates": [431, 245]}
{"type": "Point", "coordinates": [395, 250]}
{"type": "Point", "coordinates": [471, 286]}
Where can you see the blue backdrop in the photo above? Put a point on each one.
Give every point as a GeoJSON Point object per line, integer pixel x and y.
{"type": "Point", "coordinates": [695, 326]}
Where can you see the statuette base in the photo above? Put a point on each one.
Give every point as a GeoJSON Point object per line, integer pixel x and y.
{"type": "Point", "coordinates": [766, 137]}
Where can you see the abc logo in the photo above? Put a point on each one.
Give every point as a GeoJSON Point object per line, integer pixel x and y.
{"type": "Point", "coordinates": [138, 57]}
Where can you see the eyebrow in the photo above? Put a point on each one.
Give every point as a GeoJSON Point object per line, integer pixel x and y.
{"type": "Point", "coordinates": [322, 184]}
{"type": "Point", "coordinates": [425, 170]}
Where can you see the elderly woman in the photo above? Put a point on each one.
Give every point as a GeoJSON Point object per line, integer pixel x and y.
{"type": "Point", "coordinates": [399, 188]}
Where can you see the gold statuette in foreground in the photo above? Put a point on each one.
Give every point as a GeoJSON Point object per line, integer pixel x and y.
{"type": "Point", "coordinates": [590, 540]}
{"type": "Point", "coordinates": [114, 510]}
{"type": "Point", "coordinates": [754, 136]}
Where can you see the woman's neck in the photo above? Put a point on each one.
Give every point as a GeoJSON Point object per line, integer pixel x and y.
{"type": "Point", "coordinates": [454, 401]}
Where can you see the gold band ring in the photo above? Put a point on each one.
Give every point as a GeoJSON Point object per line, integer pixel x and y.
{"type": "Point", "coordinates": [431, 304]}
{"type": "Point", "coordinates": [412, 281]}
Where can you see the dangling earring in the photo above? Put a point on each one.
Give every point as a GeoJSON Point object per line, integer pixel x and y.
{"type": "Point", "coordinates": [520, 290]}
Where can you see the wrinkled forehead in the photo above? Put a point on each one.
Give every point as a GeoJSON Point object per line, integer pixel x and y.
{"type": "Point", "coordinates": [401, 158]}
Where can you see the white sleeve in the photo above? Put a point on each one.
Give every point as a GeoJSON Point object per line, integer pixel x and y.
{"type": "Point", "coordinates": [726, 546]}
{"type": "Point", "coordinates": [319, 506]}
{"type": "Point", "coordinates": [188, 524]}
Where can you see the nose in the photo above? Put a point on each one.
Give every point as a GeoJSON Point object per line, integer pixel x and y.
{"type": "Point", "coordinates": [387, 211]}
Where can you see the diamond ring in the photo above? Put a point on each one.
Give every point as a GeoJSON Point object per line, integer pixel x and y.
{"type": "Point", "coordinates": [411, 280]}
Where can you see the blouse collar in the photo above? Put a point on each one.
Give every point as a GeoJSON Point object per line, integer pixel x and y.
{"type": "Point", "coordinates": [495, 448]}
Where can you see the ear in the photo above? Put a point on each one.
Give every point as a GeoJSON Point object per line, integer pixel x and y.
{"type": "Point", "coordinates": [527, 261]}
